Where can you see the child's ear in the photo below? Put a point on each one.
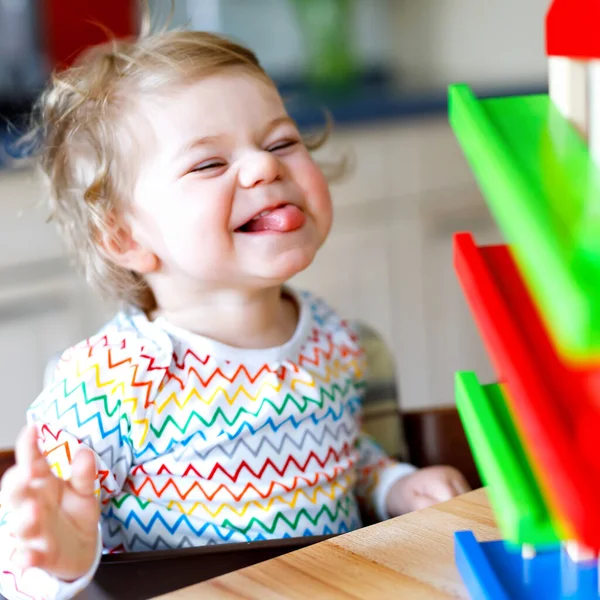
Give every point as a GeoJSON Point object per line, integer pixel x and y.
{"type": "Point", "coordinates": [120, 247]}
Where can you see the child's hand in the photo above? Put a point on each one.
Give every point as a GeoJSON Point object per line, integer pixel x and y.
{"type": "Point", "coordinates": [56, 521]}
{"type": "Point", "coordinates": [423, 488]}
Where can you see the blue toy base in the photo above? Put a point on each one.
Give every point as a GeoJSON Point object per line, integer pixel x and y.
{"type": "Point", "coordinates": [497, 571]}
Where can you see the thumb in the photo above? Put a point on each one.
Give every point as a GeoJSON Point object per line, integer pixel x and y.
{"type": "Point", "coordinates": [439, 490]}
{"type": "Point", "coordinates": [28, 455]}
{"type": "Point", "coordinates": [421, 501]}
{"type": "Point", "coordinates": [83, 472]}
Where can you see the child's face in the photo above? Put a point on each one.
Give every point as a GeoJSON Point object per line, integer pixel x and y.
{"type": "Point", "coordinates": [223, 152]}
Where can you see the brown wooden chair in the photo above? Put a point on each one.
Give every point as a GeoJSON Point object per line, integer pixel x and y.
{"type": "Point", "coordinates": [426, 437]}
{"type": "Point", "coordinates": [7, 460]}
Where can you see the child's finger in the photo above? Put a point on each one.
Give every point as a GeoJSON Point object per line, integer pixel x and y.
{"type": "Point", "coordinates": [421, 501]}
{"type": "Point", "coordinates": [439, 490]}
{"type": "Point", "coordinates": [31, 520]}
{"type": "Point", "coordinates": [18, 487]}
{"type": "Point", "coordinates": [83, 472]}
{"type": "Point", "coordinates": [460, 484]}
{"type": "Point", "coordinates": [28, 454]}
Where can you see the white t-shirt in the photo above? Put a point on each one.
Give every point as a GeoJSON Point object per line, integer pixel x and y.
{"type": "Point", "coordinates": [198, 442]}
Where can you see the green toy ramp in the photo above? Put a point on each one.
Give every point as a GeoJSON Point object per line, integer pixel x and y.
{"type": "Point", "coordinates": [544, 192]}
{"type": "Point", "coordinates": [514, 493]}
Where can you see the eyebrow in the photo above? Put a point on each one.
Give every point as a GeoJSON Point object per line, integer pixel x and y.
{"type": "Point", "coordinates": [211, 139]}
{"type": "Point", "coordinates": [285, 119]}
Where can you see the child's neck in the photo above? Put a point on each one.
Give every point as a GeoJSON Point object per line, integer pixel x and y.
{"type": "Point", "coordinates": [258, 319]}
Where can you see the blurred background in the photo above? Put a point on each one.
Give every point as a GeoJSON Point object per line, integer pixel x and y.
{"type": "Point", "coordinates": [381, 67]}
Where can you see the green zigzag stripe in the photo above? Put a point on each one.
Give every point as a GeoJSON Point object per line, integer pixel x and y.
{"type": "Point", "coordinates": [118, 502]}
{"type": "Point", "coordinates": [220, 413]}
{"type": "Point", "coordinates": [293, 524]}
{"type": "Point", "coordinates": [99, 398]}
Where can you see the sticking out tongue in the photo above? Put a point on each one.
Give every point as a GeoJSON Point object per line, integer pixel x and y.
{"type": "Point", "coordinates": [283, 219]}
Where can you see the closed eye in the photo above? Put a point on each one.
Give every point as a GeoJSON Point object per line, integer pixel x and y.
{"type": "Point", "coordinates": [208, 165]}
{"type": "Point", "coordinates": [282, 145]}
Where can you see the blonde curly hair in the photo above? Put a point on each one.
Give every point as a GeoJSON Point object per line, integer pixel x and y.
{"type": "Point", "coordinates": [82, 123]}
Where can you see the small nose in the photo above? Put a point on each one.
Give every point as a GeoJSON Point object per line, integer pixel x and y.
{"type": "Point", "coordinates": [259, 169]}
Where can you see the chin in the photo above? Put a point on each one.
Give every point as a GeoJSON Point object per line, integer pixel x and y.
{"type": "Point", "coordinates": [289, 264]}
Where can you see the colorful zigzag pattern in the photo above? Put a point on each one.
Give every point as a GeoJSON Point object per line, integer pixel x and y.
{"type": "Point", "coordinates": [195, 448]}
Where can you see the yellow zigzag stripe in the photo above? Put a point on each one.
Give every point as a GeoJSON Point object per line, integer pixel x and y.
{"type": "Point", "coordinates": [55, 468]}
{"type": "Point", "coordinates": [120, 386]}
{"type": "Point", "coordinates": [241, 511]}
{"type": "Point", "coordinates": [332, 371]}
{"type": "Point", "coordinates": [209, 400]}
{"type": "Point", "coordinates": [133, 400]}
{"type": "Point", "coordinates": [94, 367]}
{"type": "Point", "coordinates": [146, 426]}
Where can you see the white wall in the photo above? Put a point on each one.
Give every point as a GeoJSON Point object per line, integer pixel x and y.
{"type": "Point", "coordinates": [487, 42]}
{"type": "Point", "coordinates": [430, 43]}
{"type": "Point", "coordinates": [270, 28]}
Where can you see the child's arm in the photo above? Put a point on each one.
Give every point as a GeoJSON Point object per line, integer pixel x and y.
{"type": "Point", "coordinates": [385, 487]}
{"type": "Point", "coordinates": [95, 401]}
{"type": "Point", "coordinates": [388, 488]}
{"type": "Point", "coordinates": [425, 487]}
{"type": "Point", "coordinates": [376, 475]}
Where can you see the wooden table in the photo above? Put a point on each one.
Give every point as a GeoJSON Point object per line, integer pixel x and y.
{"type": "Point", "coordinates": [407, 557]}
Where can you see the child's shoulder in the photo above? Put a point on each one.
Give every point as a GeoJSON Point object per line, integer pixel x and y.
{"type": "Point", "coordinates": [327, 318]}
{"type": "Point", "coordinates": [126, 340]}
{"type": "Point", "coordinates": [126, 358]}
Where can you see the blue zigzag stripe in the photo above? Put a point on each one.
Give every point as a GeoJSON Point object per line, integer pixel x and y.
{"type": "Point", "coordinates": [352, 405]}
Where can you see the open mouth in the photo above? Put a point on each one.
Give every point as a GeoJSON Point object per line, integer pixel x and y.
{"type": "Point", "coordinates": [281, 219]}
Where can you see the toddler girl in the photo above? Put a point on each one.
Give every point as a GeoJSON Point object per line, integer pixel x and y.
{"type": "Point", "coordinates": [220, 405]}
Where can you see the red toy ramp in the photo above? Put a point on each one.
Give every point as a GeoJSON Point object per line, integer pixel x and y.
{"type": "Point", "coordinates": [555, 404]}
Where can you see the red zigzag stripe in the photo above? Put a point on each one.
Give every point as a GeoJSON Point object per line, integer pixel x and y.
{"type": "Point", "coordinates": [291, 460]}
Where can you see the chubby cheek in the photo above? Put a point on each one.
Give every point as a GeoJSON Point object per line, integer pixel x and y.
{"type": "Point", "coordinates": [187, 237]}
{"type": "Point", "coordinates": [198, 244]}
{"type": "Point", "coordinates": [318, 196]}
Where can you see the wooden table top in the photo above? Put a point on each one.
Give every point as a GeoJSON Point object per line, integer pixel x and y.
{"type": "Point", "coordinates": [407, 557]}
